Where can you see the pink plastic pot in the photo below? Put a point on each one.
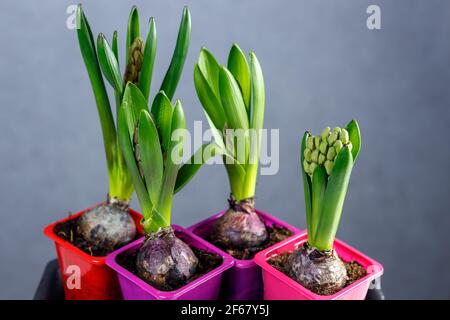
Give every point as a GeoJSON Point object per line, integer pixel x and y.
{"type": "Point", "coordinates": [96, 280]}
{"type": "Point", "coordinates": [205, 287]}
{"type": "Point", "coordinates": [278, 286]}
{"type": "Point", "coordinates": [244, 280]}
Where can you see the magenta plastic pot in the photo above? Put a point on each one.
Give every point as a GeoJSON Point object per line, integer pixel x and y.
{"type": "Point", "coordinates": [244, 280]}
{"type": "Point", "coordinates": [278, 286]}
{"type": "Point", "coordinates": [205, 287]}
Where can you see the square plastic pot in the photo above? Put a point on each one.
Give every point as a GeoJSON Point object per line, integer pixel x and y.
{"type": "Point", "coordinates": [278, 286]}
{"type": "Point", "coordinates": [205, 287]}
{"type": "Point", "coordinates": [86, 277]}
{"type": "Point", "coordinates": [244, 280]}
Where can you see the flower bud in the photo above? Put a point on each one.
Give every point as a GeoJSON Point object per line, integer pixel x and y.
{"type": "Point", "coordinates": [337, 130]}
{"type": "Point", "coordinates": [325, 133]}
{"type": "Point", "coordinates": [338, 146]}
{"type": "Point", "coordinates": [329, 166]}
{"type": "Point", "coordinates": [331, 154]}
{"type": "Point", "coordinates": [310, 142]}
{"type": "Point", "coordinates": [343, 136]}
{"type": "Point", "coordinates": [312, 167]}
{"type": "Point", "coordinates": [316, 142]}
{"type": "Point", "coordinates": [350, 146]}
{"type": "Point", "coordinates": [307, 154]}
{"type": "Point", "coordinates": [315, 156]}
{"type": "Point", "coordinates": [306, 166]}
{"type": "Point", "coordinates": [332, 138]}
{"type": "Point", "coordinates": [321, 159]}
{"type": "Point", "coordinates": [323, 147]}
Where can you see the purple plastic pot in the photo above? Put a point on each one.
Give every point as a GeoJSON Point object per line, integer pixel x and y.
{"type": "Point", "coordinates": [205, 287]}
{"type": "Point", "coordinates": [244, 280]}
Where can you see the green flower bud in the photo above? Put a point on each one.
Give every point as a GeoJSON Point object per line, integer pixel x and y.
{"type": "Point", "coordinates": [316, 142]}
{"type": "Point", "coordinates": [337, 130]}
{"type": "Point", "coordinates": [338, 146]}
{"type": "Point", "coordinates": [310, 143]}
{"type": "Point", "coordinates": [343, 136]}
{"type": "Point", "coordinates": [331, 154]}
{"type": "Point", "coordinates": [312, 167]}
{"type": "Point", "coordinates": [329, 166]}
{"type": "Point", "coordinates": [306, 166]}
{"type": "Point", "coordinates": [350, 146]}
{"type": "Point", "coordinates": [325, 133]}
{"type": "Point", "coordinates": [307, 154]}
{"type": "Point", "coordinates": [315, 156]}
{"type": "Point", "coordinates": [321, 159]}
{"type": "Point", "coordinates": [323, 147]}
{"type": "Point", "coordinates": [332, 138]}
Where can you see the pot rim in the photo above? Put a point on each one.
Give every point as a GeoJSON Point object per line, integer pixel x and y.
{"type": "Point", "coordinates": [373, 268]}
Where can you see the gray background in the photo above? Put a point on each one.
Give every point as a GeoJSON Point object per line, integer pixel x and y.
{"type": "Point", "coordinates": [322, 66]}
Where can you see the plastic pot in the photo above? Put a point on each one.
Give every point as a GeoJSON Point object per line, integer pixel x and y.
{"type": "Point", "coordinates": [205, 287]}
{"type": "Point", "coordinates": [278, 286]}
{"type": "Point", "coordinates": [86, 277]}
{"type": "Point", "coordinates": [244, 280]}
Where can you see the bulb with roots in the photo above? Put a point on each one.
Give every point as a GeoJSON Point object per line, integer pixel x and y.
{"type": "Point", "coordinates": [321, 272]}
{"type": "Point", "coordinates": [240, 227]}
{"type": "Point", "coordinates": [108, 226]}
{"type": "Point", "coordinates": [165, 261]}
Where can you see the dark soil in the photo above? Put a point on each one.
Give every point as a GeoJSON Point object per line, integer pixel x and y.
{"type": "Point", "coordinates": [206, 262]}
{"type": "Point", "coordinates": [276, 234]}
{"type": "Point", "coordinates": [355, 271]}
{"type": "Point", "coordinates": [68, 231]}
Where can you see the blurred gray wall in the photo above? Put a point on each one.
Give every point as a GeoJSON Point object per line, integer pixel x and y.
{"type": "Point", "coordinates": [322, 66]}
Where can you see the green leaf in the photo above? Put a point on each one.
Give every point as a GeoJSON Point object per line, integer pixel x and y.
{"type": "Point", "coordinates": [173, 74]}
{"type": "Point", "coordinates": [132, 30]}
{"type": "Point", "coordinates": [171, 164]}
{"type": "Point", "coordinates": [162, 111]}
{"type": "Point", "coordinates": [151, 155]}
{"type": "Point", "coordinates": [115, 47]}
{"type": "Point", "coordinates": [236, 176]}
{"type": "Point", "coordinates": [190, 168]}
{"type": "Point", "coordinates": [209, 100]}
{"type": "Point", "coordinates": [334, 200]}
{"type": "Point", "coordinates": [256, 122]}
{"type": "Point", "coordinates": [232, 101]}
{"type": "Point", "coordinates": [238, 66]}
{"type": "Point", "coordinates": [210, 69]}
{"type": "Point", "coordinates": [126, 147]}
{"type": "Point", "coordinates": [319, 184]}
{"type": "Point", "coordinates": [134, 102]}
{"type": "Point", "coordinates": [355, 137]}
{"type": "Point", "coordinates": [88, 52]}
{"type": "Point", "coordinates": [145, 77]}
{"type": "Point", "coordinates": [108, 64]}
{"type": "Point", "coordinates": [306, 188]}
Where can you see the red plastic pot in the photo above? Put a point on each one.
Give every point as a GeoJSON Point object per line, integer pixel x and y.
{"type": "Point", "coordinates": [86, 277]}
{"type": "Point", "coordinates": [244, 280]}
{"type": "Point", "coordinates": [278, 286]}
{"type": "Point", "coordinates": [205, 287]}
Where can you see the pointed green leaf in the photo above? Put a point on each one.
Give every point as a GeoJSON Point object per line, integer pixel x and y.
{"type": "Point", "coordinates": [115, 47]}
{"type": "Point", "coordinates": [145, 77]}
{"type": "Point", "coordinates": [355, 138]}
{"type": "Point", "coordinates": [151, 155]}
{"type": "Point", "coordinates": [173, 74]}
{"type": "Point", "coordinates": [306, 188]}
{"type": "Point", "coordinates": [319, 184]}
{"type": "Point", "coordinates": [334, 200]}
{"type": "Point", "coordinates": [133, 31]}
{"type": "Point", "coordinates": [210, 69]}
{"type": "Point", "coordinates": [134, 103]}
{"type": "Point", "coordinates": [88, 52]}
{"type": "Point", "coordinates": [232, 101]}
{"type": "Point", "coordinates": [108, 64]}
{"type": "Point", "coordinates": [126, 147]}
{"type": "Point", "coordinates": [171, 165]}
{"type": "Point", "coordinates": [210, 101]}
{"type": "Point", "coordinates": [238, 66]}
{"type": "Point", "coordinates": [162, 112]}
